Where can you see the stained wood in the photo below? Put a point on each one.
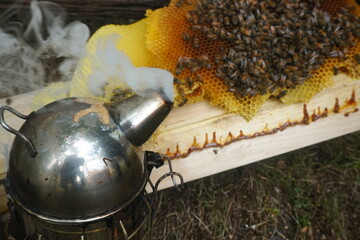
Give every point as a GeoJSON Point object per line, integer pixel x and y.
{"type": "Point", "coordinates": [103, 8]}
{"type": "Point", "coordinates": [201, 119]}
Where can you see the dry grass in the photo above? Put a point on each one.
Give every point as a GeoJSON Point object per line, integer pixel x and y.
{"type": "Point", "coordinates": [311, 193]}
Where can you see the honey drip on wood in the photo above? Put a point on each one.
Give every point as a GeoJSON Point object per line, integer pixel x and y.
{"type": "Point", "coordinates": [348, 113]}
{"type": "Point", "coordinates": [352, 100]}
{"type": "Point", "coordinates": [319, 114]}
{"type": "Point", "coordinates": [194, 146]}
{"type": "Point", "coordinates": [307, 119]}
{"type": "Point", "coordinates": [336, 106]}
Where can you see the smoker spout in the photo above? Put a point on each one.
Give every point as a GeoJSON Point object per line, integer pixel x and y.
{"type": "Point", "coordinates": [138, 117]}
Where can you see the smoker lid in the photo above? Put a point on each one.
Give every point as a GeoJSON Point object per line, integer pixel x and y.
{"type": "Point", "coordinates": [85, 168]}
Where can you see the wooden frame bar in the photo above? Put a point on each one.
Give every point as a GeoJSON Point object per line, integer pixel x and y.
{"type": "Point", "coordinates": [204, 140]}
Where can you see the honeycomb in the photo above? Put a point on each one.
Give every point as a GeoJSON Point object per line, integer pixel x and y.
{"type": "Point", "coordinates": [158, 41]}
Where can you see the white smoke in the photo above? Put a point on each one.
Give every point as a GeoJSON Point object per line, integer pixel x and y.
{"type": "Point", "coordinates": [112, 68]}
{"type": "Point", "coordinates": [45, 50]}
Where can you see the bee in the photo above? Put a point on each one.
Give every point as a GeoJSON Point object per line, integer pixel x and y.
{"type": "Point", "coordinates": [289, 84]}
{"type": "Point", "coordinates": [291, 50]}
{"type": "Point", "coordinates": [260, 69]}
{"type": "Point", "coordinates": [207, 65]}
{"type": "Point", "coordinates": [195, 68]}
{"type": "Point", "coordinates": [196, 27]}
{"type": "Point", "coordinates": [189, 82]}
{"type": "Point", "coordinates": [245, 78]}
{"type": "Point", "coordinates": [253, 92]}
{"type": "Point", "coordinates": [283, 80]}
{"type": "Point", "coordinates": [222, 33]}
{"type": "Point", "coordinates": [333, 53]}
{"type": "Point", "coordinates": [230, 36]}
{"type": "Point", "coordinates": [336, 71]}
{"type": "Point", "coordinates": [179, 70]}
{"type": "Point", "coordinates": [240, 17]}
{"type": "Point", "coordinates": [195, 19]}
{"type": "Point", "coordinates": [231, 82]}
{"type": "Point", "coordinates": [221, 18]}
{"type": "Point", "coordinates": [206, 30]}
{"type": "Point", "coordinates": [248, 91]}
{"type": "Point", "coordinates": [196, 42]}
{"type": "Point", "coordinates": [216, 24]}
{"type": "Point", "coordinates": [188, 17]}
{"type": "Point", "coordinates": [281, 94]}
{"type": "Point", "coordinates": [121, 94]}
{"type": "Point", "coordinates": [212, 18]}
{"type": "Point", "coordinates": [272, 29]}
{"type": "Point", "coordinates": [212, 36]}
{"type": "Point", "coordinates": [227, 21]}
{"type": "Point", "coordinates": [199, 79]}
{"type": "Point", "coordinates": [177, 81]}
{"type": "Point", "coordinates": [183, 62]}
{"type": "Point", "coordinates": [179, 3]}
{"type": "Point", "coordinates": [186, 37]}
{"type": "Point", "coordinates": [255, 72]}
{"type": "Point", "coordinates": [183, 102]}
{"type": "Point", "coordinates": [319, 45]}
{"type": "Point", "coordinates": [234, 20]}
{"type": "Point", "coordinates": [188, 2]}
{"type": "Point", "coordinates": [261, 63]}
{"type": "Point", "coordinates": [204, 58]}
{"type": "Point", "coordinates": [357, 58]}
{"type": "Point", "coordinates": [217, 59]}
{"type": "Point", "coordinates": [220, 74]}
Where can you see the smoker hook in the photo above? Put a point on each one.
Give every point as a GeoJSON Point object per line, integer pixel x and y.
{"type": "Point", "coordinates": [30, 147]}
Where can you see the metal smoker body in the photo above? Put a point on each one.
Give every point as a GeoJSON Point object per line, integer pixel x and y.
{"type": "Point", "coordinates": [76, 170]}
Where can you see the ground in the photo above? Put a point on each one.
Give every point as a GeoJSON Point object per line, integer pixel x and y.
{"type": "Point", "coordinates": [312, 193]}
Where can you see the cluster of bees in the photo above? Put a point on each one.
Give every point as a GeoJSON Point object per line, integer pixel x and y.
{"type": "Point", "coordinates": [268, 46]}
{"type": "Point", "coordinates": [193, 65]}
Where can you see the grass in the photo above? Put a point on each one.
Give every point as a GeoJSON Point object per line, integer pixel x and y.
{"type": "Point", "coordinates": [312, 193]}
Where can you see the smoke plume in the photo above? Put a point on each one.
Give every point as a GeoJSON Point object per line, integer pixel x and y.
{"type": "Point", "coordinates": [46, 49]}
{"type": "Point", "coordinates": [112, 69]}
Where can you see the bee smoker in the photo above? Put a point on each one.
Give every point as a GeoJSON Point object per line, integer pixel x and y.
{"type": "Point", "coordinates": [77, 172]}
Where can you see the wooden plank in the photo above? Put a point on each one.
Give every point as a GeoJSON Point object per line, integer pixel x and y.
{"type": "Point", "coordinates": [185, 123]}
{"type": "Point", "coordinates": [3, 200]}
{"type": "Point", "coordinates": [88, 8]}
{"type": "Point", "coordinates": [210, 161]}
{"type": "Point", "coordinates": [200, 119]}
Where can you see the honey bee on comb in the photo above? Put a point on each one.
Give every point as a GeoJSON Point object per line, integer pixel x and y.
{"type": "Point", "coordinates": [257, 49]}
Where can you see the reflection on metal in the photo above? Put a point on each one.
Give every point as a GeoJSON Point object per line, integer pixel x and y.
{"type": "Point", "coordinates": [87, 179]}
{"type": "Point", "coordinates": [143, 229]}
{"type": "Point", "coordinates": [29, 146]}
{"type": "Point", "coordinates": [124, 230]}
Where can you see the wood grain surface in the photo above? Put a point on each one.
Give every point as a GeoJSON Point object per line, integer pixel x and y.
{"type": "Point", "coordinates": [205, 140]}
{"type": "Point", "coordinates": [124, 8]}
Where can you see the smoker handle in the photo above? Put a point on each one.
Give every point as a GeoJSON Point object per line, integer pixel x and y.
{"type": "Point", "coordinates": [153, 159]}
{"type": "Point", "coordinates": [30, 147]}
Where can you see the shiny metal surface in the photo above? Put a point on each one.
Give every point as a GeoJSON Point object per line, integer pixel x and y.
{"type": "Point", "coordinates": [134, 220]}
{"type": "Point", "coordinates": [29, 146]}
{"type": "Point", "coordinates": [139, 117]}
{"type": "Point", "coordinates": [85, 167]}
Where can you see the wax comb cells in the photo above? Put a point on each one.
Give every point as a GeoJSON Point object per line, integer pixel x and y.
{"type": "Point", "coordinates": [173, 39]}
